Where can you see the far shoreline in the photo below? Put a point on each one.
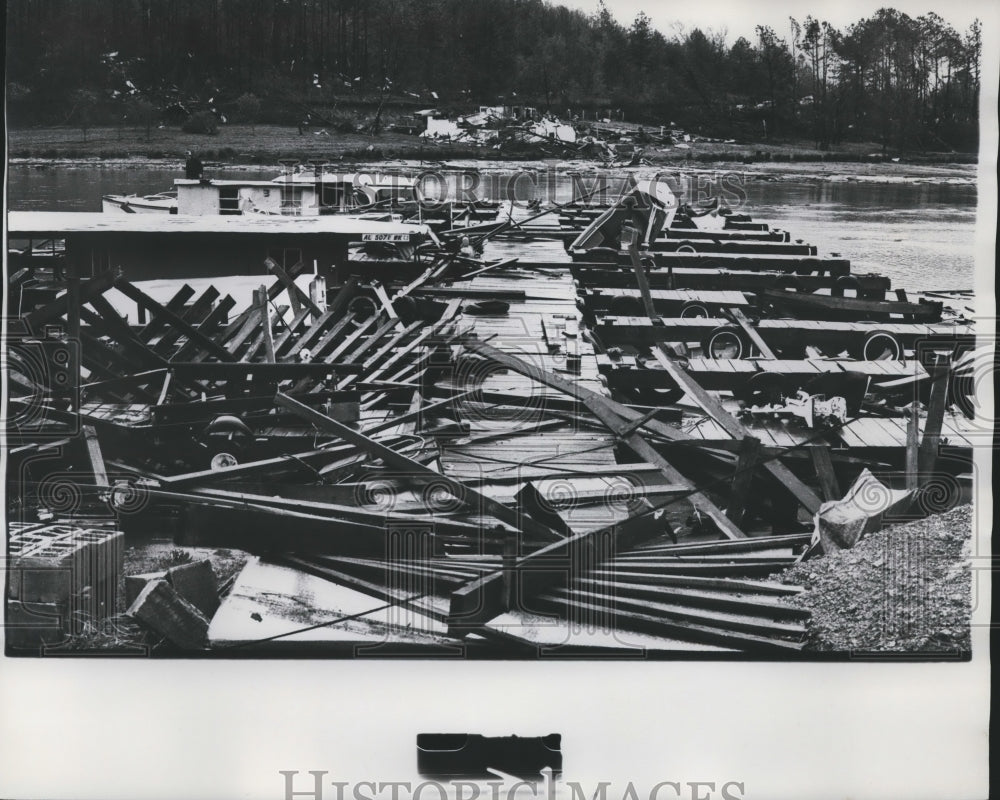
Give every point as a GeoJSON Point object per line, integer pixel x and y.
{"type": "Point", "coordinates": [245, 148]}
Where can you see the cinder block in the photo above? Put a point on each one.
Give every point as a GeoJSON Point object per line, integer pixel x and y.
{"type": "Point", "coordinates": [30, 626]}
{"type": "Point", "coordinates": [195, 582]}
{"type": "Point", "coordinates": [51, 564]}
{"type": "Point", "coordinates": [134, 584]}
{"type": "Point", "coordinates": [161, 609]}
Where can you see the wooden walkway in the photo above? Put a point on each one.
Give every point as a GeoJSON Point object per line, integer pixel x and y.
{"type": "Point", "coordinates": [525, 436]}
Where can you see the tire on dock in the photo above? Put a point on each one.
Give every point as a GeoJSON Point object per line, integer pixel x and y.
{"type": "Point", "coordinates": [692, 308]}
{"type": "Point", "coordinates": [879, 346]}
{"type": "Point", "coordinates": [726, 341]}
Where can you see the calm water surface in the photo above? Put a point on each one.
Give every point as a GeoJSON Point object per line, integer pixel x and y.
{"type": "Point", "coordinates": [919, 234]}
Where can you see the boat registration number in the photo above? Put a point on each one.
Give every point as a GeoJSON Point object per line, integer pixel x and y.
{"type": "Point", "coordinates": [385, 237]}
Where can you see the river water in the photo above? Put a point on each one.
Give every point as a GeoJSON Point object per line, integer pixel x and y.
{"type": "Point", "coordinates": [920, 234]}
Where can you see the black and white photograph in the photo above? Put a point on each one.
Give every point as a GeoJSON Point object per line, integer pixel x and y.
{"type": "Point", "coordinates": [399, 353]}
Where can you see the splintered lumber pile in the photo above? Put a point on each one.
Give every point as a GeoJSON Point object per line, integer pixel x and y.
{"type": "Point", "coordinates": [674, 596]}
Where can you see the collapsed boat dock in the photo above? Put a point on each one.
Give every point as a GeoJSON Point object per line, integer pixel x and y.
{"type": "Point", "coordinates": [440, 453]}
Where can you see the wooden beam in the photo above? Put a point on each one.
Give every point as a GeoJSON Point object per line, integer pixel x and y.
{"type": "Point", "coordinates": [828, 484]}
{"type": "Point", "coordinates": [96, 458]}
{"type": "Point", "coordinates": [189, 350]}
{"type": "Point", "coordinates": [913, 449]}
{"type": "Point", "coordinates": [640, 275]}
{"type": "Point", "coordinates": [936, 406]}
{"type": "Point", "coordinates": [175, 304]}
{"type": "Point", "coordinates": [35, 320]}
{"type": "Point", "coordinates": [195, 314]}
{"type": "Point", "coordinates": [746, 463]}
{"type": "Point", "coordinates": [546, 568]}
{"type": "Point", "coordinates": [295, 295]}
{"type": "Point", "coordinates": [114, 326]}
{"type": "Point", "coordinates": [285, 339]}
{"type": "Point", "coordinates": [383, 298]}
{"type": "Point", "coordinates": [806, 496]}
{"type": "Point", "coordinates": [261, 294]}
{"type": "Point", "coordinates": [469, 497]}
{"type": "Point", "coordinates": [619, 419]}
{"type": "Point", "coordinates": [157, 310]}
{"type": "Point", "coordinates": [741, 319]}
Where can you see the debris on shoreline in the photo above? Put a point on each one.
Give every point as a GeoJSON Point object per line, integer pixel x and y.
{"type": "Point", "coordinates": [906, 588]}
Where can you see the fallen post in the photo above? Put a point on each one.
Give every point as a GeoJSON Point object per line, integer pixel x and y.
{"type": "Point", "coordinates": [467, 495]}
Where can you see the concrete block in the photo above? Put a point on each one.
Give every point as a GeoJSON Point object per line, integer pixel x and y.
{"type": "Point", "coordinates": [50, 564]}
{"type": "Point", "coordinates": [30, 626]}
{"type": "Point", "coordinates": [161, 609]}
{"type": "Point", "coordinates": [195, 582]}
{"type": "Point", "coordinates": [134, 584]}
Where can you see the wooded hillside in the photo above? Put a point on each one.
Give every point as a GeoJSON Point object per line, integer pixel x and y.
{"type": "Point", "coordinates": [907, 82]}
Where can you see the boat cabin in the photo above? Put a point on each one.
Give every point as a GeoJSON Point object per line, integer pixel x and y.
{"type": "Point", "coordinates": [200, 197]}
{"type": "Point", "coordinates": [148, 247]}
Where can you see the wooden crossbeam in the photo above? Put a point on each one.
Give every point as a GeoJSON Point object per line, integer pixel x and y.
{"type": "Point", "coordinates": [806, 496]}
{"type": "Point", "coordinates": [175, 304]}
{"type": "Point", "coordinates": [189, 350]}
{"type": "Point", "coordinates": [250, 324]}
{"type": "Point", "coordinates": [107, 319]}
{"type": "Point", "coordinates": [546, 568]}
{"type": "Point", "coordinates": [617, 418]}
{"type": "Point", "coordinates": [741, 319]}
{"type": "Point", "coordinates": [936, 406]}
{"type": "Point", "coordinates": [469, 497]}
{"type": "Point", "coordinates": [296, 296]}
{"type": "Point", "coordinates": [158, 310]}
{"type": "Point", "coordinates": [285, 339]}
{"type": "Point", "coordinates": [743, 478]}
{"type": "Point", "coordinates": [35, 320]}
{"type": "Point", "coordinates": [828, 484]}
{"type": "Point", "coordinates": [194, 315]}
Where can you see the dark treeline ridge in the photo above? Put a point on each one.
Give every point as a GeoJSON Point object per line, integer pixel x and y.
{"type": "Point", "coordinates": [907, 83]}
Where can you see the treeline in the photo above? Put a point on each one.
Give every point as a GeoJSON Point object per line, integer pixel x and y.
{"type": "Point", "coordinates": [902, 81]}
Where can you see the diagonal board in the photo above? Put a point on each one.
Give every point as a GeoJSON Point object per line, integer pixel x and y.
{"type": "Point", "coordinates": [160, 311]}
{"type": "Point", "coordinates": [479, 503]}
{"type": "Point", "coordinates": [622, 421]}
{"type": "Point", "coordinates": [741, 319]}
{"type": "Point", "coordinates": [546, 568]}
{"type": "Point", "coordinates": [806, 496]}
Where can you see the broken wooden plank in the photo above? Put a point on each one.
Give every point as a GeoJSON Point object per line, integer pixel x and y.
{"type": "Point", "coordinates": [546, 568]}
{"type": "Point", "coordinates": [467, 495]}
{"type": "Point", "coordinates": [820, 453]}
{"type": "Point", "coordinates": [96, 458]}
{"type": "Point", "coordinates": [746, 463]}
{"type": "Point", "coordinates": [741, 319]}
{"type": "Point", "coordinates": [296, 296]}
{"type": "Point", "coordinates": [618, 418]}
{"type": "Point", "coordinates": [640, 274]}
{"type": "Point", "coordinates": [806, 497]}
{"type": "Point", "coordinates": [158, 310]}
{"type": "Point", "coordinates": [936, 406]}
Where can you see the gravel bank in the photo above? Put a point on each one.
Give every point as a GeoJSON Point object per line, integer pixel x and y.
{"type": "Point", "coordinates": [906, 589]}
